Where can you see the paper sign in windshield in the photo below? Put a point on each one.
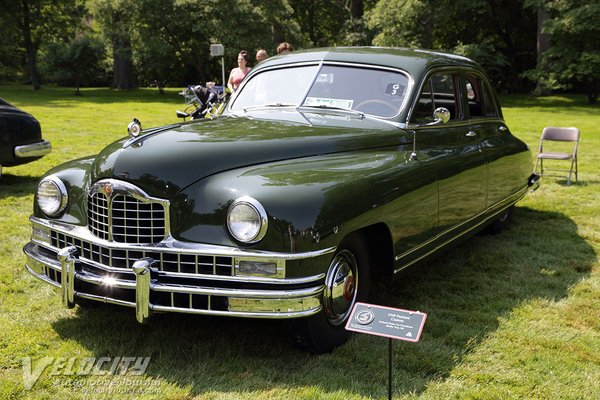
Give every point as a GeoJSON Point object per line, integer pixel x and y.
{"type": "Point", "coordinates": [388, 322]}
{"type": "Point", "coordinates": [324, 102]}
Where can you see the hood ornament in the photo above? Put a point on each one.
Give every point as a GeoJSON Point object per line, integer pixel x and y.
{"type": "Point", "coordinates": [134, 128]}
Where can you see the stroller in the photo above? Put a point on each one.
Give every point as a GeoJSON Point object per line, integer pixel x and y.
{"type": "Point", "coordinates": [202, 101]}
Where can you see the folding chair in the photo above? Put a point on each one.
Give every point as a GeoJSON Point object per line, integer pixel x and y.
{"type": "Point", "coordinates": [558, 135]}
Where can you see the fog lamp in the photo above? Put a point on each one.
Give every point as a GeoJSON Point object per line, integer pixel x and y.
{"type": "Point", "coordinates": [257, 268]}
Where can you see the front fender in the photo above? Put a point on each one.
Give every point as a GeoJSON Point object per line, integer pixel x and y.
{"type": "Point", "coordinates": [311, 202]}
{"type": "Point", "coordinates": [76, 177]}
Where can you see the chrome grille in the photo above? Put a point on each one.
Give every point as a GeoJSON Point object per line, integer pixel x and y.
{"type": "Point", "coordinates": [137, 222]}
{"type": "Point", "coordinates": [121, 212]}
{"type": "Point", "coordinates": [167, 261]}
{"type": "Point", "coordinates": [98, 215]}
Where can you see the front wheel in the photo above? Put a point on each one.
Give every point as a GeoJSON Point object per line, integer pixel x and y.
{"type": "Point", "coordinates": [347, 281]}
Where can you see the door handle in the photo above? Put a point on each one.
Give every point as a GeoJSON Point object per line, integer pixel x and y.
{"type": "Point", "coordinates": [502, 128]}
{"type": "Point", "coordinates": [471, 134]}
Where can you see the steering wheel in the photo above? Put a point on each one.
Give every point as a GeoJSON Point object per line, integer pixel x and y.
{"type": "Point", "coordinates": [392, 107]}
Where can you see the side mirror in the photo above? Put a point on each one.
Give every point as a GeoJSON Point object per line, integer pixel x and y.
{"type": "Point", "coordinates": [441, 114]}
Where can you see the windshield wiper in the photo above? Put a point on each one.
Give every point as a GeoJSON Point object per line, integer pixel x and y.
{"type": "Point", "coordinates": [332, 108]}
{"type": "Point", "coordinates": [271, 105]}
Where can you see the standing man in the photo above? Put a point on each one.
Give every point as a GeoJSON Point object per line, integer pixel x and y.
{"type": "Point", "coordinates": [261, 55]}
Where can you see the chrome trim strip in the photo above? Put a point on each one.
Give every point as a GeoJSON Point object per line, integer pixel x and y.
{"type": "Point", "coordinates": [41, 277]}
{"type": "Point", "coordinates": [177, 247]}
{"type": "Point", "coordinates": [105, 299]}
{"type": "Point", "coordinates": [512, 199]}
{"type": "Point", "coordinates": [242, 314]}
{"type": "Point", "coordinates": [246, 293]}
{"type": "Point", "coordinates": [37, 149]}
{"type": "Point", "coordinates": [88, 277]}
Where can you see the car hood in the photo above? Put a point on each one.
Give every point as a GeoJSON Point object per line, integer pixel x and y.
{"type": "Point", "coordinates": [166, 160]}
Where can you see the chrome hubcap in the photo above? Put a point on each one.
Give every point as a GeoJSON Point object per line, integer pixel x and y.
{"type": "Point", "coordinates": [340, 287]}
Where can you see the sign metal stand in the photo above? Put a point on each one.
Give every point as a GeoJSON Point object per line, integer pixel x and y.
{"type": "Point", "coordinates": [392, 323]}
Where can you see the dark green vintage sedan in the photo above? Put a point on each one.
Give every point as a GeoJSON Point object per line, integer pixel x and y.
{"type": "Point", "coordinates": [329, 168]}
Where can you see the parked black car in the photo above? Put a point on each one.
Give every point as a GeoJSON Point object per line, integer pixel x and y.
{"type": "Point", "coordinates": [20, 137]}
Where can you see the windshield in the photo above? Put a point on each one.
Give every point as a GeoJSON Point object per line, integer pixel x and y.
{"type": "Point", "coordinates": [367, 90]}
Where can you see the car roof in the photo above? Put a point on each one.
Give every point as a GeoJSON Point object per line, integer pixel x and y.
{"type": "Point", "coordinates": [413, 61]}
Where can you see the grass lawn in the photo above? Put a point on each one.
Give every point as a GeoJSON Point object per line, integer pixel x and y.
{"type": "Point", "coordinates": [515, 315]}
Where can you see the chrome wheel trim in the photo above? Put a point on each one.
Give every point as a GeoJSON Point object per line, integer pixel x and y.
{"type": "Point", "coordinates": [341, 287]}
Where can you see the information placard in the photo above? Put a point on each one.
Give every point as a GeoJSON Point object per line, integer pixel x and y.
{"type": "Point", "coordinates": [388, 322]}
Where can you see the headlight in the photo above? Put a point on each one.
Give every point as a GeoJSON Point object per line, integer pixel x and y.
{"type": "Point", "coordinates": [247, 220]}
{"type": "Point", "coordinates": [52, 196]}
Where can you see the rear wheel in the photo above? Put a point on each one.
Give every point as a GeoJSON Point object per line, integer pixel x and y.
{"type": "Point", "coordinates": [502, 222]}
{"type": "Point", "coordinates": [347, 281]}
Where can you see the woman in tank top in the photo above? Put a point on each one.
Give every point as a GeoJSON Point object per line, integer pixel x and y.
{"type": "Point", "coordinates": [237, 74]}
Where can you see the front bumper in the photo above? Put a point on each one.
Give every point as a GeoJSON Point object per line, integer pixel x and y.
{"type": "Point", "coordinates": [170, 277]}
{"type": "Point", "coordinates": [38, 149]}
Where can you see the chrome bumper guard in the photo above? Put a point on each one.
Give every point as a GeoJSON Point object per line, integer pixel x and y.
{"type": "Point", "coordinates": [148, 289]}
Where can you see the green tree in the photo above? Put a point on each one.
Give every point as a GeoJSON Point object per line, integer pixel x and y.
{"type": "Point", "coordinates": [76, 63]}
{"type": "Point", "coordinates": [320, 20]}
{"type": "Point", "coordinates": [573, 59]}
{"type": "Point", "coordinates": [489, 29]}
{"type": "Point", "coordinates": [409, 25]}
{"type": "Point", "coordinates": [117, 18]}
{"type": "Point", "coordinates": [30, 23]}
{"type": "Point", "coordinates": [237, 24]}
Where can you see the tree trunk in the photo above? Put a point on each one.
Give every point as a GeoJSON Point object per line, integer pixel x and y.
{"type": "Point", "coordinates": [30, 48]}
{"type": "Point", "coordinates": [122, 63]}
{"type": "Point", "coordinates": [514, 81]}
{"type": "Point", "coordinates": [357, 9]}
{"type": "Point", "coordinates": [592, 90]}
{"type": "Point", "coordinates": [311, 24]}
{"type": "Point", "coordinates": [277, 33]}
{"type": "Point", "coordinates": [426, 26]}
{"type": "Point", "coordinates": [543, 44]}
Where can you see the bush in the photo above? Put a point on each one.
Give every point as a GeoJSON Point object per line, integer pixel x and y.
{"type": "Point", "coordinates": [78, 63]}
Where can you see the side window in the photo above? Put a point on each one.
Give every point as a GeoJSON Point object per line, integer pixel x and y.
{"type": "Point", "coordinates": [479, 96]}
{"type": "Point", "coordinates": [438, 91]}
